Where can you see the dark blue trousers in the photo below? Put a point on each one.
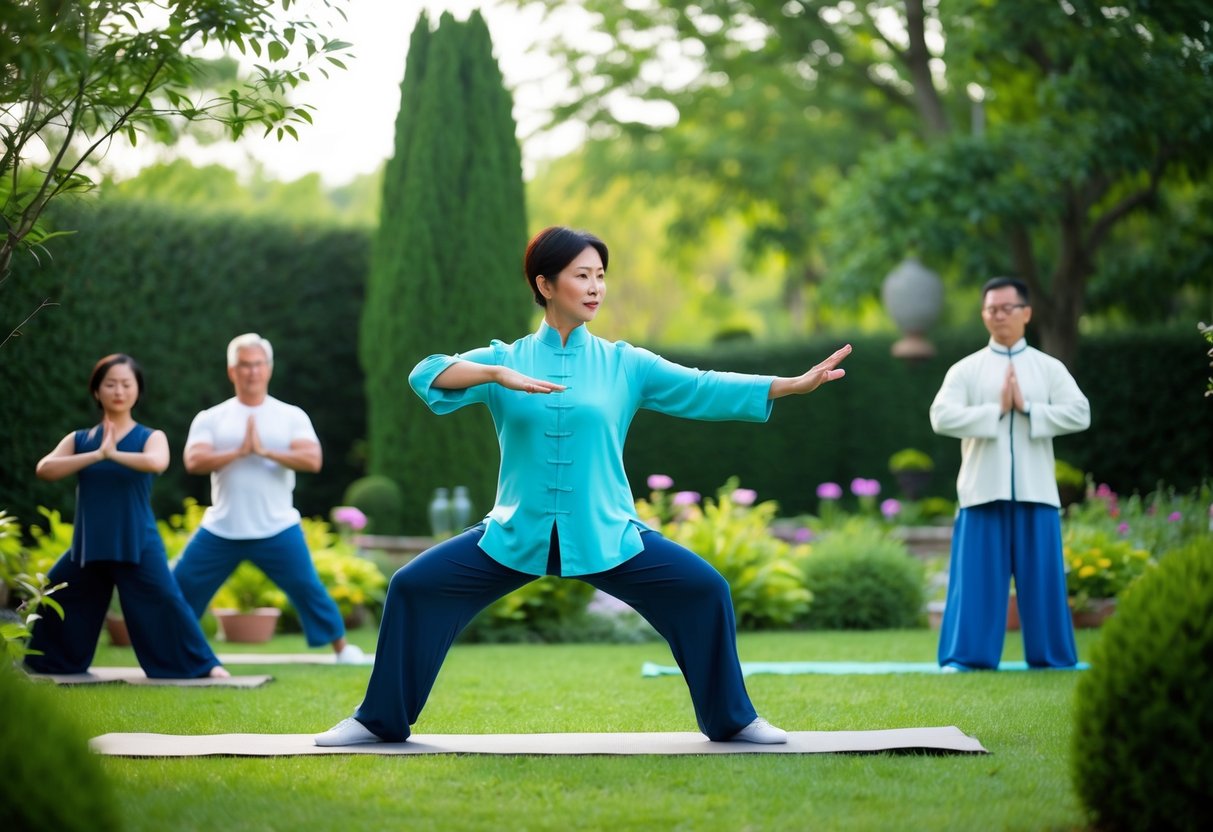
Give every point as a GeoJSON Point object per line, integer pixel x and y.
{"type": "Point", "coordinates": [208, 560]}
{"type": "Point", "coordinates": [164, 632]}
{"type": "Point", "coordinates": [990, 544]}
{"type": "Point", "coordinates": [434, 596]}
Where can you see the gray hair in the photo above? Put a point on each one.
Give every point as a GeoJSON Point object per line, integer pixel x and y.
{"type": "Point", "coordinates": [245, 341]}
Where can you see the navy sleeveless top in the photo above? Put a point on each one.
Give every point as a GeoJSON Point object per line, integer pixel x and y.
{"type": "Point", "coordinates": [114, 520]}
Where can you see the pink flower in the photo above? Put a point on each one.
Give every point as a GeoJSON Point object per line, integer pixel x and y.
{"type": "Point", "coordinates": [1104, 490]}
{"type": "Point", "coordinates": [659, 482]}
{"type": "Point", "coordinates": [864, 488]}
{"type": "Point", "coordinates": [1122, 529]}
{"type": "Point", "coordinates": [890, 508]}
{"type": "Point", "coordinates": [686, 498]}
{"type": "Point", "coordinates": [829, 491]}
{"type": "Point", "coordinates": [349, 516]}
{"type": "Point", "coordinates": [744, 496]}
{"type": "Point", "coordinates": [803, 535]}
{"type": "Point", "coordinates": [1174, 517]}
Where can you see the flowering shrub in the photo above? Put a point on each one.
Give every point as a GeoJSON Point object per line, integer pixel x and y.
{"type": "Point", "coordinates": [1158, 522]}
{"type": "Point", "coordinates": [1099, 564]}
{"type": "Point", "coordinates": [733, 534]}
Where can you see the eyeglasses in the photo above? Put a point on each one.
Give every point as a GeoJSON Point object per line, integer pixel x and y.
{"type": "Point", "coordinates": [1003, 309]}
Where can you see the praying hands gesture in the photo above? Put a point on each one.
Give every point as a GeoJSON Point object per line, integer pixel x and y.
{"type": "Point", "coordinates": [1012, 396]}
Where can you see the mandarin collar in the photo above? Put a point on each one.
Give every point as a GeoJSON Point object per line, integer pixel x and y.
{"type": "Point", "coordinates": [1016, 348]}
{"type": "Point", "coordinates": [546, 334]}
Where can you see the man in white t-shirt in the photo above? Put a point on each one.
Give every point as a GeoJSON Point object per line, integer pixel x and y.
{"type": "Point", "coordinates": [252, 445]}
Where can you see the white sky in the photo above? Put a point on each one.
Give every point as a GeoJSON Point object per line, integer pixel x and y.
{"type": "Point", "coordinates": [356, 108]}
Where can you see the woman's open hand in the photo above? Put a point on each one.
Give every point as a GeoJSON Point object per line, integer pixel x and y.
{"type": "Point", "coordinates": [816, 376]}
{"type": "Point", "coordinates": [513, 380]}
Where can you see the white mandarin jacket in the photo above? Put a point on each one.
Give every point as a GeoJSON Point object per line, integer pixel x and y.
{"type": "Point", "coordinates": [1008, 456]}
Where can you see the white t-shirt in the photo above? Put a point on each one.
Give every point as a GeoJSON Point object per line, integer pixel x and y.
{"type": "Point", "coordinates": [251, 496]}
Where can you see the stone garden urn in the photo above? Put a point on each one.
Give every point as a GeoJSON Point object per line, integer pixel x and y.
{"type": "Point", "coordinates": [913, 296]}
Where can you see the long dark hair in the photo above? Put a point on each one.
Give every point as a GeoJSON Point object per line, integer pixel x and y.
{"type": "Point", "coordinates": [103, 366]}
{"type": "Point", "coordinates": [552, 249]}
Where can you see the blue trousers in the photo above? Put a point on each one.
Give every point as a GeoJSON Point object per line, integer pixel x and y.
{"type": "Point", "coordinates": [990, 543]}
{"type": "Point", "coordinates": [165, 635]}
{"type": "Point", "coordinates": [208, 560]}
{"type": "Point", "coordinates": [434, 596]}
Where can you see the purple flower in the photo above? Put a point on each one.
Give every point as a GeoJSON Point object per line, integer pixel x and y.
{"type": "Point", "coordinates": [659, 482]}
{"type": "Point", "coordinates": [1174, 517]}
{"type": "Point", "coordinates": [864, 488]}
{"type": "Point", "coordinates": [686, 498]}
{"type": "Point", "coordinates": [349, 516]}
{"type": "Point", "coordinates": [803, 535]}
{"type": "Point", "coordinates": [1122, 529]}
{"type": "Point", "coordinates": [744, 496]}
{"type": "Point", "coordinates": [829, 491]}
{"type": "Point", "coordinates": [890, 508]}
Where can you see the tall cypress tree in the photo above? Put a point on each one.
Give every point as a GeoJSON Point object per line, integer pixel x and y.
{"type": "Point", "coordinates": [445, 268]}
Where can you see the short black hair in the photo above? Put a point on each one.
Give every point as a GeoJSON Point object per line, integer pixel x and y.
{"type": "Point", "coordinates": [1015, 283]}
{"type": "Point", "coordinates": [103, 366]}
{"type": "Point", "coordinates": [552, 249]}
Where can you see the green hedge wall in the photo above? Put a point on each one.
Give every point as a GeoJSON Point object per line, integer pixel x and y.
{"type": "Point", "coordinates": [172, 289]}
{"type": "Point", "coordinates": [1150, 421]}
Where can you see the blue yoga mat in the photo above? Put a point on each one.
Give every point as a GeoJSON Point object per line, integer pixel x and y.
{"type": "Point", "coordinates": [844, 668]}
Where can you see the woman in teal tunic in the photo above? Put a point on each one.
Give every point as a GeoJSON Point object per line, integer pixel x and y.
{"type": "Point", "coordinates": [115, 543]}
{"type": "Point", "coordinates": [562, 401]}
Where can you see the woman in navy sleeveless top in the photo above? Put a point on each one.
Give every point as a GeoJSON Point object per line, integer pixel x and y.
{"type": "Point", "coordinates": [115, 543]}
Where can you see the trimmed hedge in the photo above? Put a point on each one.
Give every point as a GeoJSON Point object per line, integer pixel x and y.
{"type": "Point", "coordinates": [1143, 716]}
{"type": "Point", "coordinates": [172, 289]}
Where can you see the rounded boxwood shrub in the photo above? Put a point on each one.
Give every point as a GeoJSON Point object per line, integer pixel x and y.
{"type": "Point", "coordinates": [862, 579]}
{"type": "Point", "coordinates": [50, 778]}
{"type": "Point", "coordinates": [379, 498]}
{"type": "Point", "coordinates": [1141, 757]}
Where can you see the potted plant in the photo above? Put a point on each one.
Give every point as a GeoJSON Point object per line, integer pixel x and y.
{"type": "Point", "coordinates": [912, 468]}
{"type": "Point", "coordinates": [1099, 566]}
{"type": "Point", "coordinates": [248, 606]}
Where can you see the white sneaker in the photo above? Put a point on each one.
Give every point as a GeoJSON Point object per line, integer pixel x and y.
{"type": "Point", "coordinates": [351, 654]}
{"type": "Point", "coordinates": [762, 732]}
{"type": "Point", "coordinates": [348, 731]}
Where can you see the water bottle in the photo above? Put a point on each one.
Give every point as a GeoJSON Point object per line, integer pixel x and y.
{"type": "Point", "coordinates": [461, 509]}
{"type": "Point", "coordinates": [440, 514]}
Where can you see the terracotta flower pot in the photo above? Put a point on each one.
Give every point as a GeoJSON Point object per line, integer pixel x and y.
{"type": "Point", "coordinates": [248, 627]}
{"type": "Point", "coordinates": [115, 625]}
{"type": "Point", "coordinates": [1012, 613]}
{"type": "Point", "coordinates": [1095, 614]}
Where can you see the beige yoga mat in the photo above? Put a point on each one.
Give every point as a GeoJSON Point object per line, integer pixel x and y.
{"type": "Point", "coordinates": [288, 658]}
{"type": "Point", "coordinates": [136, 676]}
{"type": "Point", "coordinates": [947, 739]}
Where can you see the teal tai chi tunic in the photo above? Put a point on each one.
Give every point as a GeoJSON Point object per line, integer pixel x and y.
{"type": "Point", "coordinates": [562, 453]}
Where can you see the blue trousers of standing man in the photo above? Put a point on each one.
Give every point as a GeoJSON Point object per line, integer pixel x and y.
{"type": "Point", "coordinates": [991, 543]}
{"type": "Point", "coordinates": [209, 559]}
{"type": "Point", "coordinates": [433, 597]}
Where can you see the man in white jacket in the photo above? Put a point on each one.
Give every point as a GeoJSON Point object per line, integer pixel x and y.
{"type": "Point", "coordinates": [1006, 403]}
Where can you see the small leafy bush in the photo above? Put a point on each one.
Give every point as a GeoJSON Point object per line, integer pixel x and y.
{"type": "Point", "coordinates": [379, 498]}
{"type": "Point", "coordinates": [1099, 564]}
{"type": "Point", "coordinates": [1141, 757]}
{"type": "Point", "coordinates": [910, 459]}
{"type": "Point", "coordinates": [549, 609]}
{"type": "Point", "coordinates": [862, 579]}
{"type": "Point", "coordinates": [734, 535]}
{"type": "Point", "coordinates": [51, 780]}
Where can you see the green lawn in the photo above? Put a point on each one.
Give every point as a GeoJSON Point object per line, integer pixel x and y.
{"type": "Point", "coordinates": [1024, 719]}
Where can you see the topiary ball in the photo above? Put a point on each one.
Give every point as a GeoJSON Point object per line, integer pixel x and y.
{"type": "Point", "coordinates": [862, 579]}
{"type": "Point", "coordinates": [50, 779]}
{"type": "Point", "coordinates": [1141, 751]}
{"type": "Point", "coordinates": [380, 499]}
